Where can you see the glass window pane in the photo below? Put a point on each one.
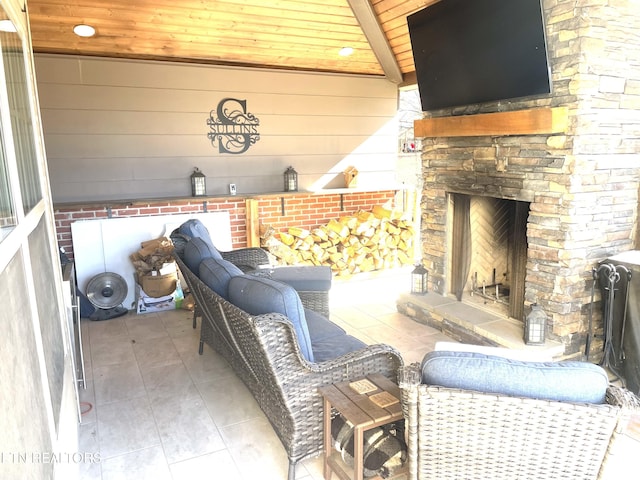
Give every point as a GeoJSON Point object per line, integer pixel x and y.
{"type": "Point", "coordinates": [7, 212]}
{"type": "Point", "coordinates": [21, 119]}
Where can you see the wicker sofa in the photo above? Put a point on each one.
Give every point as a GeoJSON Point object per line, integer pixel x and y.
{"type": "Point", "coordinates": [470, 433]}
{"type": "Point", "coordinates": [311, 282]}
{"type": "Point", "coordinates": [268, 352]}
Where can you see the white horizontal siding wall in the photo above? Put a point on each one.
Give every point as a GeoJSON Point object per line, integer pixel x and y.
{"type": "Point", "coordinates": [121, 129]}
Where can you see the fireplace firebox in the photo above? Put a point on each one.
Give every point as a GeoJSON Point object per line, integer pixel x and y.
{"type": "Point", "coordinates": [489, 252]}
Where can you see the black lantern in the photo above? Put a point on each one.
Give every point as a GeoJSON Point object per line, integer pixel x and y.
{"type": "Point", "coordinates": [535, 325]}
{"type": "Point", "coordinates": [290, 180]}
{"type": "Point", "coordinates": [419, 278]}
{"type": "Point", "coordinates": [198, 183]}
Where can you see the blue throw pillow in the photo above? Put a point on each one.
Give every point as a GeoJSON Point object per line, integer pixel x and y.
{"type": "Point", "coordinates": [197, 250]}
{"type": "Point", "coordinates": [216, 274]}
{"type": "Point", "coordinates": [571, 381]}
{"type": "Point", "coordinates": [258, 295]}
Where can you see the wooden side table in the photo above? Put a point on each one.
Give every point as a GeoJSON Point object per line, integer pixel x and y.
{"type": "Point", "coordinates": [363, 413]}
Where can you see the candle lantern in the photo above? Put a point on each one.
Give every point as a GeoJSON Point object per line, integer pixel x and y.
{"type": "Point", "coordinates": [535, 325]}
{"type": "Point", "coordinates": [419, 278]}
{"type": "Point", "coordinates": [290, 180]}
{"type": "Point", "coordinates": [198, 183]}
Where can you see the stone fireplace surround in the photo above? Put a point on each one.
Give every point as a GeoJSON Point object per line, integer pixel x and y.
{"type": "Point", "coordinates": [581, 183]}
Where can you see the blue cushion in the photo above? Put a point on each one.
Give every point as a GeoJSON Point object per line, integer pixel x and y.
{"type": "Point", "coordinates": [332, 347]}
{"type": "Point", "coordinates": [320, 327]}
{"type": "Point", "coordinates": [258, 295]}
{"type": "Point", "coordinates": [194, 228]}
{"type": "Point", "coordinates": [216, 274]}
{"type": "Point", "coordinates": [570, 381]}
{"type": "Point", "coordinates": [308, 278]}
{"type": "Point", "coordinates": [196, 250]}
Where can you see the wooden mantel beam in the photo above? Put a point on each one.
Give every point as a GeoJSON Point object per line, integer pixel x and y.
{"type": "Point", "coordinates": [532, 121]}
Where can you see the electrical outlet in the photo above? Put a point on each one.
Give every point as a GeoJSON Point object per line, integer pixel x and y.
{"type": "Point", "coordinates": [232, 188]}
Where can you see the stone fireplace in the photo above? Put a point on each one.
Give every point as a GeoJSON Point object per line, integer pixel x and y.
{"type": "Point", "coordinates": [568, 198]}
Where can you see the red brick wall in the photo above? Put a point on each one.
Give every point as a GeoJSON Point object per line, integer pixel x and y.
{"type": "Point", "coordinates": [303, 210]}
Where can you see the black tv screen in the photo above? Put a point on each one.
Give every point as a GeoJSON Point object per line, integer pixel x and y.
{"type": "Point", "coordinates": [475, 51]}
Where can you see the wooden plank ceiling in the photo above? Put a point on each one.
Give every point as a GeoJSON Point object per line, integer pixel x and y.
{"type": "Point", "coordinates": [292, 34]}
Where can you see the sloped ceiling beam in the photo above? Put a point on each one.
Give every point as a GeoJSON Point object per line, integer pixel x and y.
{"type": "Point", "coordinates": [368, 20]}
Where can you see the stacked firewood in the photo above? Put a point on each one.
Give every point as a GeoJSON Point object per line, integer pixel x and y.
{"type": "Point", "coordinates": [154, 255]}
{"type": "Point", "coordinates": [362, 242]}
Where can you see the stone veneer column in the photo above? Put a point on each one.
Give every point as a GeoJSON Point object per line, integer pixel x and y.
{"type": "Point", "coordinates": [583, 186]}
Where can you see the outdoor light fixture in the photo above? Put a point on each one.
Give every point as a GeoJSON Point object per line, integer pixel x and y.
{"type": "Point", "coordinates": [198, 183]}
{"type": "Point", "coordinates": [290, 180]}
{"type": "Point", "coordinates": [84, 30]}
{"type": "Point", "coordinates": [419, 278]}
{"type": "Point", "coordinates": [535, 325]}
{"type": "Point", "coordinates": [345, 51]}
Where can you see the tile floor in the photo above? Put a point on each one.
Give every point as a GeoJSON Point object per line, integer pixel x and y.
{"type": "Point", "coordinates": [161, 411]}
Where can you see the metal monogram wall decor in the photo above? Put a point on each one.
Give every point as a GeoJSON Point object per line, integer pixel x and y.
{"type": "Point", "coordinates": [232, 127]}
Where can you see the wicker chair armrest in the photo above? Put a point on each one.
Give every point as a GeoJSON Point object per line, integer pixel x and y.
{"type": "Point", "coordinates": [349, 365]}
{"type": "Point", "coordinates": [370, 351]}
{"type": "Point", "coordinates": [251, 257]}
{"type": "Point", "coordinates": [621, 397]}
{"type": "Point", "coordinates": [629, 418]}
{"type": "Point", "coordinates": [409, 376]}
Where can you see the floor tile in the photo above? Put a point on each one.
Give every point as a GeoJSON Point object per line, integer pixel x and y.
{"type": "Point", "coordinates": [177, 318]}
{"type": "Point", "coordinates": [107, 330]}
{"type": "Point", "coordinates": [144, 327]}
{"type": "Point", "coordinates": [126, 426]}
{"type": "Point", "coordinates": [117, 350]}
{"type": "Point", "coordinates": [257, 450]}
{"type": "Point", "coordinates": [186, 428]}
{"type": "Point", "coordinates": [88, 445]}
{"type": "Point", "coordinates": [218, 465]}
{"type": "Point", "coordinates": [145, 464]}
{"type": "Point", "coordinates": [117, 382]}
{"type": "Point", "coordinates": [168, 381]}
{"type": "Point", "coordinates": [229, 401]}
{"type": "Point", "coordinates": [189, 342]}
{"type": "Point", "coordinates": [206, 367]}
{"type": "Point", "coordinates": [155, 352]}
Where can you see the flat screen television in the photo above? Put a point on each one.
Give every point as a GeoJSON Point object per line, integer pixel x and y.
{"type": "Point", "coordinates": [476, 51]}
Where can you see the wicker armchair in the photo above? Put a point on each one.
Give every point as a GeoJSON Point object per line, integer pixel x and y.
{"type": "Point", "coordinates": [264, 352]}
{"type": "Point", "coordinates": [464, 434]}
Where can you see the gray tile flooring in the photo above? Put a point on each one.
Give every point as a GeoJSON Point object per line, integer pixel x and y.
{"type": "Point", "coordinates": [161, 411]}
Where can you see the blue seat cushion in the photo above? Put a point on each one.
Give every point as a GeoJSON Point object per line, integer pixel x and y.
{"type": "Point", "coordinates": [307, 278]}
{"type": "Point", "coordinates": [328, 340]}
{"type": "Point", "coordinates": [216, 274]}
{"type": "Point", "coordinates": [258, 295]}
{"type": "Point", "coordinates": [320, 327]}
{"type": "Point", "coordinates": [570, 381]}
{"type": "Point", "coordinates": [197, 250]}
{"type": "Point", "coordinates": [332, 347]}
{"type": "Point", "coordinates": [194, 228]}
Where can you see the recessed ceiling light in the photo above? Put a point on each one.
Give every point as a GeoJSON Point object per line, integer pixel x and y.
{"type": "Point", "coordinates": [345, 51]}
{"type": "Point", "coordinates": [7, 26]}
{"type": "Point", "coordinates": [84, 30]}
